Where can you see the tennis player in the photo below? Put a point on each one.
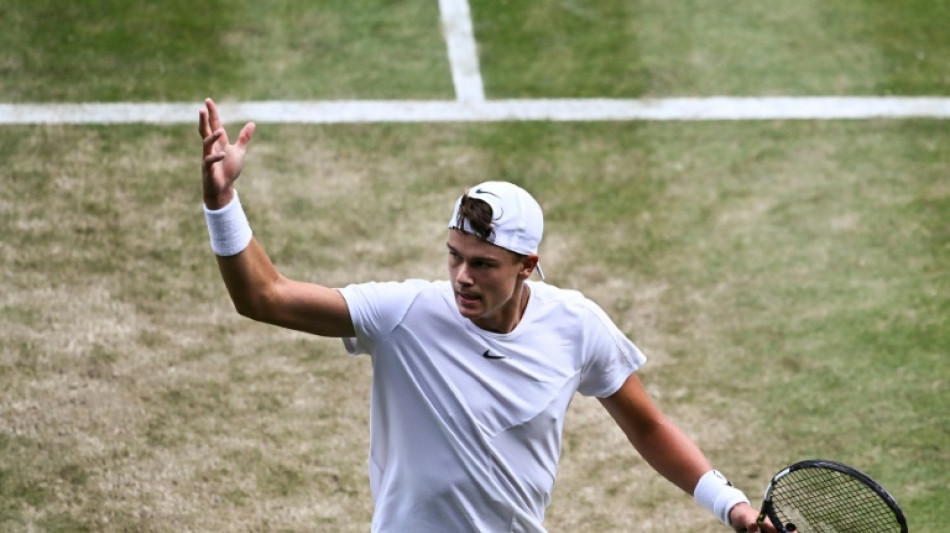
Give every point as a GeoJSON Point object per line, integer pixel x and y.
{"type": "Point", "coordinates": [472, 376]}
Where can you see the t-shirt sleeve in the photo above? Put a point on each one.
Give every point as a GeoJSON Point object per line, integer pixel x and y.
{"type": "Point", "coordinates": [611, 356]}
{"type": "Point", "coordinates": [376, 309]}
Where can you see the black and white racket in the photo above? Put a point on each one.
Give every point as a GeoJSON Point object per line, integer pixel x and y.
{"type": "Point", "coordinates": [827, 497]}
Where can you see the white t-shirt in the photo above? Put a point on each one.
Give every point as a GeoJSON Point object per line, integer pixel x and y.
{"type": "Point", "coordinates": [465, 423]}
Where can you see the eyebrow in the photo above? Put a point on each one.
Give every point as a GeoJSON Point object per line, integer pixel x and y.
{"type": "Point", "coordinates": [484, 259]}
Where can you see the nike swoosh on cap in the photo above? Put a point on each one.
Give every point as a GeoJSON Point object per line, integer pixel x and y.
{"type": "Point", "coordinates": [480, 191]}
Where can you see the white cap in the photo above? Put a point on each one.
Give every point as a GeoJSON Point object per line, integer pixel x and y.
{"type": "Point", "coordinates": [517, 220]}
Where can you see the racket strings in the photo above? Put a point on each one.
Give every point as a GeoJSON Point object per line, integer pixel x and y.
{"type": "Point", "coordinates": [818, 500]}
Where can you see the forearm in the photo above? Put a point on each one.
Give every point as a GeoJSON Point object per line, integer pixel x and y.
{"type": "Point", "coordinates": [245, 268]}
{"type": "Point", "coordinates": [676, 457]}
{"type": "Point", "coordinates": [672, 454]}
{"type": "Point", "coordinates": [260, 292]}
{"type": "Point", "coordinates": [658, 440]}
{"type": "Point", "coordinates": [670, 451]}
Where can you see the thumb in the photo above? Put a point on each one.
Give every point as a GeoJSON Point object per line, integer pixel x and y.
{"type": "Point", "coordinates": [245, 136]}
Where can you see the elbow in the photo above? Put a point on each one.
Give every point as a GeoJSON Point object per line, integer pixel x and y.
{"type": "Point", "coordinates": [253, 298]}
{"type": "Point", "coordinates": [253, 307]}
{"type": "Point", "coordinates": [248, 311]}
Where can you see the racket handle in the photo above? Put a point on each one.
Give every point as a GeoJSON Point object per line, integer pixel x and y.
{"type": "Point", "coordinates": [789, 527]}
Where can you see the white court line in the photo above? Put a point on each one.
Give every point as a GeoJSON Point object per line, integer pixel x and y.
{"type": "Point", "coordinates": [463, 51]}
{"type": "Point", "coordinates": [377, 111]}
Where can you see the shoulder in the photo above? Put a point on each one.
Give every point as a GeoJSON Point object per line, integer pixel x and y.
{"type": "Point", "coordinates": [564, 301]}
{"type": "Point", "coordinates": [395, 298]}
{"type": "Point", "coordinates": [392, 297]}
{"type": "Point", "coordinates": [608, 355]}
{"type": "Point", "coordinates": [377, 308]}
{"type": "Point", "coordinates": [570, 309]}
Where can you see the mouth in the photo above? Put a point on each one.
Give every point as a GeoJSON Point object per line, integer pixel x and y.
{"type": "Point", "coordinates": [465, 299]}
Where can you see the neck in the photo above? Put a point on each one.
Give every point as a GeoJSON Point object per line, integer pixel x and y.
{"type": "Point", "coordinates": [508, 319]}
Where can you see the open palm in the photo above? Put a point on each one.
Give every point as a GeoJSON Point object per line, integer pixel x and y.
{"type": "Point", "coordinates": [222, 161]}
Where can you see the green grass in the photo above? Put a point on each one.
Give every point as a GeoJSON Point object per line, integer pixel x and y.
{"type": "Point", "coordinates": [111, 50]}
{"type": "Point", "coordinates": [616, 48]}
{"type": "Point", "coordinates": [787, 280]}
{"type": "Point", "coordinates": [771, 271]}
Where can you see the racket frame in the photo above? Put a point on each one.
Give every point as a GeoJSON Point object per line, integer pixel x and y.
{"type": "Point", "coordinates": [768, 509]}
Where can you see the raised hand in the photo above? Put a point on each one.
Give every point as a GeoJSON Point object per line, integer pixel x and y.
{"type": "Point", "coordinates": [222, 161]}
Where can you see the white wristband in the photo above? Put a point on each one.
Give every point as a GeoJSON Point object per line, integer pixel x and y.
{"type": "Point", "coordinates": [228, 227]}
{"type": "Point", "coordinates": [714, 492]}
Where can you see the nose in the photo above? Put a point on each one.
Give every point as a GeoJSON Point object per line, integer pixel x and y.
{"type": "Point", "coordinates": [462, 275]}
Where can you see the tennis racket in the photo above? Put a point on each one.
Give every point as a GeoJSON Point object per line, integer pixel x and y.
{"type": "Point", "coordinates": [827, 497]}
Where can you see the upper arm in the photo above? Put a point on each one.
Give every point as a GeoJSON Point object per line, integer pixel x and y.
{"type": "Point", "coordinates": [610, 356]}
{"type": "Point", "coordinates": [311, 308]}
{"type": "Point", "coordinates": [632, 409]}
{"type": "Point", "coordinates": [261, 293]}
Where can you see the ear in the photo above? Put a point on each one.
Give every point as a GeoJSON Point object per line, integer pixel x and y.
{"type": "Point", "coordinates": [528, 264]}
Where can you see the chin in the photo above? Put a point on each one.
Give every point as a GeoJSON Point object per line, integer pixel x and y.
{"type": "Point", "coordinates": [468, 312]}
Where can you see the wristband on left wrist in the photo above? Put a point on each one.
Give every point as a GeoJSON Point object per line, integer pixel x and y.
{"type": "Point", "coordinates": [715, 493]}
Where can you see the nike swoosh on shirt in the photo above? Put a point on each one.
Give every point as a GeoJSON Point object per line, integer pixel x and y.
{"type": "Point", "coordinates": [489, 355]}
